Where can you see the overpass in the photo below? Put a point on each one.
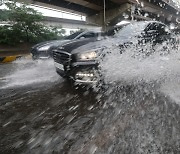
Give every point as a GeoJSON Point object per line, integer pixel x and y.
{"type": "Point", "coordinates": [64, 23]}
{"type": "Point", "coordinates": [69, 23]}
{"type": "Point", "coordinates": [109, 12]}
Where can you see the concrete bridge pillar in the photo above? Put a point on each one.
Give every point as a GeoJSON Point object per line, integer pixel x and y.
{"type": "Point", "coordinates": [111, 16]}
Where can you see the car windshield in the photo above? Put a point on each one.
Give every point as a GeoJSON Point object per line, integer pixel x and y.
{"type": "Point", "coordinates": [73, 36]}
{"type": "Point", "coordinates": [113, 30]}
{"type": "Point", "coordinates": [131, 30]}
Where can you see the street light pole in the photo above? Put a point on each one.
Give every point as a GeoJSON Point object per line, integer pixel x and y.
{"type": "Point", "coordinates": [104, 24]}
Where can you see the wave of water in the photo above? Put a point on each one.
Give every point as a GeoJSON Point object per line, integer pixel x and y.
{"type": "Point", "coordinates": [127, 67]}
{"type": "Point", "coordinates": [26, 72]}
{"type": "Point", "coordinates": [133, 67]}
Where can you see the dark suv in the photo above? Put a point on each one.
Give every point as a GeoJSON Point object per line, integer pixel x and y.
{"type": "Point", "coordinates": [79, 60]}
{"type": "Point", "coordinates": [44, 49]}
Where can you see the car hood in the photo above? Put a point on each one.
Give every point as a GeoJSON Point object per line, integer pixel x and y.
{"type": "Point", "coordinates": [108, 42]}
{"type": "Point", "coordinates": [69, 46]}
{"type": "Point", "coordinates": [51, 43]}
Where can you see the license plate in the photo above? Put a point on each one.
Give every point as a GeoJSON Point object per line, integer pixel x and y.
{"type": "Point", "coordinates": [60, 66]}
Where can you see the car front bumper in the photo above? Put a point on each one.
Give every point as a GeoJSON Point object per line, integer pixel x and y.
{"type": "Point", "coordinates": [80, 72]}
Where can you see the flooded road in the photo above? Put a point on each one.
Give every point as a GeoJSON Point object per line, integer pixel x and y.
{"type": "Point", "coordinates": [41, 113]}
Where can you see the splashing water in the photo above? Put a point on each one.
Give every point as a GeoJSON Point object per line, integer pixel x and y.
{"type": "Point", "coordinates": [26, 72]}
{"type": "Point", "coordinates": [132, 119]}
{"type": "Point", "coordinates": [137, 117]}
{"type": "Point", "coordinates": [133, 65]}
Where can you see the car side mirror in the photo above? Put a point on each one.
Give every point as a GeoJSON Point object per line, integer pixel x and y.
{"type": "Point", "coordinates": [82, 37]}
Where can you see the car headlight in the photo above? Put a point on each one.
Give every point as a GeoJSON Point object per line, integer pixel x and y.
{"type": "Point", "coordinates": [91, 55]}
{"type": "Point", "coordinates": [44, 48]}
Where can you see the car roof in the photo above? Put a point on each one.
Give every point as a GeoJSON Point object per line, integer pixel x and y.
{"type": "Point", "coordinates": [148, 22]}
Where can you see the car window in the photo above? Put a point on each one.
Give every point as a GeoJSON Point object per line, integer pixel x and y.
{"type": "Point", "coordinates": [132, 29]}
{"type": "Point", "coordinates": [88, 35]}
{"type": "Point", "coordinates": [113, 30]}
{"type": "Point", "coordinates": [73, 36]}
{"type": "Point", "coordinates": [157, 28]}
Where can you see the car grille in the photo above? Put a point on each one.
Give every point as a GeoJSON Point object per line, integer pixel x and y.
{"type": "Point", "coordinates": [62, 57]}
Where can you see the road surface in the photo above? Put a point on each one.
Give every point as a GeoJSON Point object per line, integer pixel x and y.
{"type": "Point", "coordinates": [41, 113]}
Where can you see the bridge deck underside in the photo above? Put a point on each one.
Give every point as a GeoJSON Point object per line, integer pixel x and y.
{"type": "Point", "coordinates": [156, 9]}
{"type": "Point", "coordinates": [92, 7]}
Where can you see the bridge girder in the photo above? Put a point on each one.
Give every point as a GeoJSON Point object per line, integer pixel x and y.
{"type": "Point", "coordinates": [163, 10]}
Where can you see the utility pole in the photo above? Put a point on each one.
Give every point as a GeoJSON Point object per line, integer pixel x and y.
{"type": "Point", "coordinates": [104, 16]}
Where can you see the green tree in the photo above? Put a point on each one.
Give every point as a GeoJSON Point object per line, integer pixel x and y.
{"type": "Point", "coordinates": [4, 14]}
{"type": "Point", "coordinates": [24, 25]}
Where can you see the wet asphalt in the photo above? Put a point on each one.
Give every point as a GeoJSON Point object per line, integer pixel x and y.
{"type": "Point", "coordinates": [54, 118]}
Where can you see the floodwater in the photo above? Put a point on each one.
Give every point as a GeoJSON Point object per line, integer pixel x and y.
{"type": "Point", "coordinates": [138, 111]}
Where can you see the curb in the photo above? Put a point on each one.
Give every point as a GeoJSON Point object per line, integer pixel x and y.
{"type": "Point", "coordinates": [9, 59]}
